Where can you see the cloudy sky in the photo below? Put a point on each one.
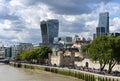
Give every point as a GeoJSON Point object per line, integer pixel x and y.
{"type": "Point", "coordinates": [20, 19]}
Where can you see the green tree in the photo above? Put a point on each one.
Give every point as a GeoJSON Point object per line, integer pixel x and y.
{"type": "Point", "coordinates": [43, 52]}
{"type": "Point", "coordinates": [105, 49]}
{"type": "Point", "coordinates": [84, 49]}
{"type": "Point", "coordinates": [114, 52]}
{"type": "Point", "coordinates": [39, 54]}
{"type": "Point", "coordinates": [28, 55]}
{"type": "Point", "coordinates": [97, 51]}
{"type": "Point", "coordinates": [25, 55]}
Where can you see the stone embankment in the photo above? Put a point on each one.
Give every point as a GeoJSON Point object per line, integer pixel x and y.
{"type": "Point", "coordinates": [86, 76]}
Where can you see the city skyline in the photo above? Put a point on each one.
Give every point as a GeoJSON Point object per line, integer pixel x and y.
{"type": "Point", "coordinates": [20, 19]}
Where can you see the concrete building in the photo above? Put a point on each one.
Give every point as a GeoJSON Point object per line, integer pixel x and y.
{"type": "Point", "coordinates": [17, 49]}
{"type": "Point", "coordinates": [49, 30]}
{"type": "Point", "coordinates": [65, 41]}
{"type": "Point", "coordinates": [26, 46]}
{"type": "Point", "coordinates": [2, 52]}
{"type": "Point", "coordinates": [78, 42]}
{"type": "Point", "coordinates": [60, 43]}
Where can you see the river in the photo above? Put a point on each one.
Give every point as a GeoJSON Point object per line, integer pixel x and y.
{"type": "Point", "coordinates": [9, 73]}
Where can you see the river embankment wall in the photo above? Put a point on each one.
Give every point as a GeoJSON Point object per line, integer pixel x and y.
{"type": "Point", "coordinates": [86, 76]}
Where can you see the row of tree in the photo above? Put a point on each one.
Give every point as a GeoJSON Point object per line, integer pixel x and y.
{"type": "Point", "coordinates": [106, 50]}
{"type": "Point", "coordinates": [37, 54]}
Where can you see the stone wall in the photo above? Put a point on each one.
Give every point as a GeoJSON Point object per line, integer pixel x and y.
{"type": "Point", "coordinates": [95, 64]}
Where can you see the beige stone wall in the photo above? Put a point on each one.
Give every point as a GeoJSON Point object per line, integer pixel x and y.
{"type": "Point", "coordinates": [55, 60]}
{"type": "Point", "coordinates": [95, 65]}
{"type": "Point", "coordinates": [67, 53]}
{"type": "Point", "coordinates": [66, 58]}
{"type": "Point", "coordinates": [62, 58]}
{"type": "Point", "coordinates": [66, 61]}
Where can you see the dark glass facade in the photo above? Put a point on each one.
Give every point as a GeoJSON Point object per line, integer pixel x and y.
{"type": "Point", "coordinates": [115, 34]}
{"type": "Point", "coordinates": [49, 30]}
{"type": "Point", "coordinates": [8, 52]}
{"type": "Point", "coordinates": [100, 31]}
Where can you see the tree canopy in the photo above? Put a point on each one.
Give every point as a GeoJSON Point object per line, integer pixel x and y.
{"type": "Point", "coordinates": [36, 54]}
{"type": "Point", "coordinates": [105, 49]}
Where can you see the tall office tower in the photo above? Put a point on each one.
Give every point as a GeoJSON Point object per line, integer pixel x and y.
{"type": "Point", "coordinates": [104, 21]}
{"type": "Point", "coordinates": [100, 31]}
{"type": "Point", "coordinates": [49, 30]}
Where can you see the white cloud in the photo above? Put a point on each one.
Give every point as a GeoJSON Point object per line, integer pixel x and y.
{"type": "Point", "coordinates": [115, 25]}
{"type": "Point", "coordinates": [5, 25]}
{"type": "Point", "coordinates": [91, 25]}
{"type": "Point", "coordinates": [20, 19]}
{"type": "Point", "coordinates": [15, 3]}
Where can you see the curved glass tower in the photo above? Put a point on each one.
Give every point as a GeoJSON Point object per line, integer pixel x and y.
{"type": "Point", "coordinates": [49, 30]}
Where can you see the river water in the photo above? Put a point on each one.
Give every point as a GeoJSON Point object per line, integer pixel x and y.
{"type": "Point", "coordinates": [9, 73]}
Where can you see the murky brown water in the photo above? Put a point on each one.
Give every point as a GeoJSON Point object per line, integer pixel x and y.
{"type": "Point", "coordinates": [9, 73]}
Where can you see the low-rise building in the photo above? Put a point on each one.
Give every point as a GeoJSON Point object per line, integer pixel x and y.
{"type": "Point", "coordinates": [2, 52]}
{"type": "Point", "coordinates": [65, 57]}
{"type": "Point", "coordinates": [114, 34]}
{"type": "Point", "coordinates": [17, 49]}
{"type": "Point", "coordinates": [65, 42]}
{"type": "Point", "coordinates": [8, 52]}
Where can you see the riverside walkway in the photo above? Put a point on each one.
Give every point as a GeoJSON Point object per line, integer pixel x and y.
{"type": "Point", "coordinates": [72, 70]}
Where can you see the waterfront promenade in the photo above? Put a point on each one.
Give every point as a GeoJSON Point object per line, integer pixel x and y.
{"type": "Point", "coordinates": [70, 70]}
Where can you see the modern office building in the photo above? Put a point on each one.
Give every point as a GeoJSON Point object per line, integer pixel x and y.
{"type": "Point", "coordinates": [17, 49]}
{"type": "Point", "coordinates": [26, 46]}
{"type": "Point", "coordinates": [8, 52]}
{"type": "Point", "coordinates": [100, 31]}
{"type": "Point", "coordinates": [104, 22]}
{"type": "Point", "coordinates": [114, 34]}
{"type": "Point", "coordinates": [63, 40]}
{"type": "Point", "coordinates": [49, 30]}
{"type": "Point", "coordinates": [103, 25]}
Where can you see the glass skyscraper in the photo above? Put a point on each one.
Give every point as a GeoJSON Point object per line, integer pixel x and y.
{"type": "Point", "coordinates": [49, 30]}
{"type": "Point", "coordinates": [104, 21]}
{"type": "Point", "coordinates": [100, 31]}
{"type": "Point", "coordinates": [103, 24]}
